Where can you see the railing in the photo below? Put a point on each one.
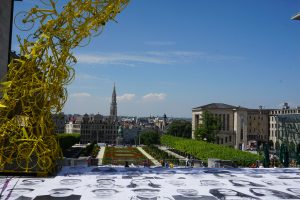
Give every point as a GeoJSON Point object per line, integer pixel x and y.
{"type": "Point", "coordinates": [164, 163]}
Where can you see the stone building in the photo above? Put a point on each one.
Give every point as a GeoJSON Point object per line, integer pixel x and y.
{"type": "Point", "coordinates": [284, 121]}
{"type": "Point", "coordinates": [97, 128]}
{"type": "Point", "coordinates": [74, 124]}
{"type": "Point", "coordinates": [239, 126]}
{"type": "Point", "coordinates": [100, 129]}
{"type": "Point", "coordinates": [258, 127]}
{"type": "Point", "coordinates": [59, 122]}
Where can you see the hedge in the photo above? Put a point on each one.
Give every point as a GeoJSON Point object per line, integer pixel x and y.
{"type": "Point", "coordinates": [203, 150]}
{"type": "Point", "coordinates": [67, 140]}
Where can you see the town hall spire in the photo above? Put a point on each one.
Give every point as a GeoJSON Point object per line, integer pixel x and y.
{"type": "Point", "coordinates": [113, 105]}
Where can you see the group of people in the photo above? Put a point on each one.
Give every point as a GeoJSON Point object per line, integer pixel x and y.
{"type": "Point", "coordinates": [166, 164]}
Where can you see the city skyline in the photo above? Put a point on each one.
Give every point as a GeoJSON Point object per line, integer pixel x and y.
{"type": "Point", "coordinates": [169, 57]}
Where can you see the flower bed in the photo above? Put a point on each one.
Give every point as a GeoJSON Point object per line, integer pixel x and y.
{"type": "Point", "coordinates": [119, 155]}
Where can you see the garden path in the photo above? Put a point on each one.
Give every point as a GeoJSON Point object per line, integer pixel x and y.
{"type": "Point", "coordinates": [154, 161]}
{"type": "Point", "coordinates": [100, 155]}
{"type": "Point", "coordinates": [165, 149]}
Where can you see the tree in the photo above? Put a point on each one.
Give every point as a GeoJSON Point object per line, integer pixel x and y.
{"type": "Point", "coordinates": [150, 137]}
{"type": "Point", "coordinates": [67, 140]}
{"type": "Point", "coordinates": [209, 127]}
{"type": "Point", "coordinates": [180, 128]}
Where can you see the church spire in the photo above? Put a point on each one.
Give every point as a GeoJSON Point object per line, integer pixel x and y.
{"type": "Point", "coordinates": [113, 105]}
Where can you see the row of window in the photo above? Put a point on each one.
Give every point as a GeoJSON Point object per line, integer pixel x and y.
{"type": "Point", "coordinates": [255, 137]}
{"type": "Point", "coordinates": [224, 120]}
{"type": "Point", "coordinates": [259, 117]}
{"type": "Point", "coordinates": [99, 132]}
{"type": "Point", "coordinates": [252, 130]}
{"type": "Point", "coordinates": [98, 126]}
{"type": "Point", "coordinates": [294, 111]}
{"type": "Point", "coordinates": [221, 140]}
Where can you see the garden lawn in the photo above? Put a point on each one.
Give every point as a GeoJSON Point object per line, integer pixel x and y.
{"type": "Point", "coordinates": [203, 150]}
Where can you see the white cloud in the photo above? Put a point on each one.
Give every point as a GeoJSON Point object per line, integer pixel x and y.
{"type": "Point", "coordinates": [80, 94]}
{"type": "Point", "coordinates": [120, 59]}
{"type": "Point", "coordinates": [154, 97]}
{"type": "Point", "coordinates": [153, 57]}
{"type": "Point", "coordinates": [125, 97]}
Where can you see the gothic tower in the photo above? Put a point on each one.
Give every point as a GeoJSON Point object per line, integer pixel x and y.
{"type": "Point", "coordinates": [113, 105]}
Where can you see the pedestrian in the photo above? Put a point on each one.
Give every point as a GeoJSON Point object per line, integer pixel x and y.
{"type": "Point", "coordinates": [171, 165]}
{"type": "Point", "coordinates": [167, 164]}
{"type": "Point", "coordinates": [126, 164]}
{"type": "Point", "coordinates": [186, 162]}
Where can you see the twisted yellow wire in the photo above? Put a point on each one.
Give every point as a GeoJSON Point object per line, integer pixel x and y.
{"type": "Point", "coordinates": [35, 86]}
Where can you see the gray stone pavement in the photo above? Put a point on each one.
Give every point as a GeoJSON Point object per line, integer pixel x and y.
{"type": "Point", "coordinates": [101, 155]}
{"type": "Point", "coordinates": [165, 149]}
{"type": "Point", "coordinates": [155, 162]}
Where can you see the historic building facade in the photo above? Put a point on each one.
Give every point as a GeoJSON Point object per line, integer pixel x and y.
{"type": "Point", "coordinates": [239, 126]}
{"type": "Point", "coordinates": [97, 128]}
{"type": "Point", "coordinates": [101, 129]}
{"type": "Point", "coordinates": [59, 122]}
{"type": "Point", "coordinates": [284, 121]}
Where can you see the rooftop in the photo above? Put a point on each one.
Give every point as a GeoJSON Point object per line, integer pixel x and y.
{"type": "Point", "coordinates": [216, 106]}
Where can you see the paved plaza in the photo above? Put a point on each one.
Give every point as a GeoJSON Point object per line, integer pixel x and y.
{"type": "Point", "coordinates": [133, 183]}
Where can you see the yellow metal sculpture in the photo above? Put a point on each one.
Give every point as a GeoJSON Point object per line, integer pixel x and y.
{"type": "Point", "coordinates": [35, 86]}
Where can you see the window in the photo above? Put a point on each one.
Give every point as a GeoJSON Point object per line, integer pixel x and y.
{"type": "Point", "coordinates": [227, 122]}
{"type": "Point", "coordinates": [225, 139]}
{"type": "Point", "coordinates": [242, 134]}
{"type": "Point", "coordinates": [223, 122]}
{"type": "Point", "coordinates": [229, 138]}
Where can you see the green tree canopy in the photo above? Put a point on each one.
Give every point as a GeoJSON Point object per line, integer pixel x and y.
{"type": "Point", "coordinates": [180, 128]}
{"type": "Point", "coordinates": [209, 128]}
{"type": "Point", "coordinates": [67, 140]}
{"type": "Point", "coordinates": [150, 137]}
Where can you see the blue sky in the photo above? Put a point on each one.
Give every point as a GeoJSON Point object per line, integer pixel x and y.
{"type": "Point", "coordinates": [168, 56]}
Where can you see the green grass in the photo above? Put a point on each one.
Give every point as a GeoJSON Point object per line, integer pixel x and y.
{"type": "Point", "coordinates": [203, 150]}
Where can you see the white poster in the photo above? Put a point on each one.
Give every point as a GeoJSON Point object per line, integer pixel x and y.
{"type": "Point", "coordinates": [91, 183]}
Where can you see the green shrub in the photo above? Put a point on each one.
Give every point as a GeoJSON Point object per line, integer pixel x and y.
{"type": "Point", "coordinates": [203, 150]}
{"type": "Point", "coordinates": [159, 154]}
{"type": "Point", "coordinates": [150, 137]}
{"type": "Point", "coordinates": [88, 150]}
{"type": "Point", "coordinates": [67, 140]}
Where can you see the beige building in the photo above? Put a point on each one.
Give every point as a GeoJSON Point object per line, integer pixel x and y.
{"type": "Point", "coordinates": [239, 126]}
{"type": "Point", "coordinates": [73, 127]}
{"type": "Point", "coordinates": [258, 126]}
